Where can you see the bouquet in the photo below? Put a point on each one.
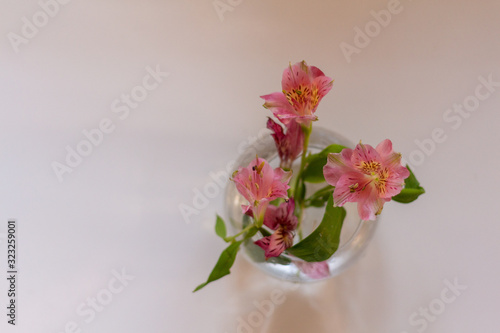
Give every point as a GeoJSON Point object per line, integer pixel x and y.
{"type": "Point", "coordinates": [278, 197]}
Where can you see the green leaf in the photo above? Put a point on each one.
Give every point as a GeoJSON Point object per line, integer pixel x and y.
{"type": "Point", "coordinates": [333, 148]}
{"type": "Point", "coordinates": [313, 172]}
{"type": "Point", "coordinates": [319, 202]}
{"type": "Point", "coordinates": [408, 195]}
{"type": "Point", "coordinates": [322, 243]}
{"type": "Point", "coordinates": [411, 191]}
{"type": "Point", "coordinates": [411, 181]}
{"type": "Point", "coordinates": [220, 228]}
{"type": "Point", "coordinates": [224, 264]}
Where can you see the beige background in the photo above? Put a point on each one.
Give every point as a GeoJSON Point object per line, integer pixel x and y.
{"type": "Point", "coordinates": [119, 208]}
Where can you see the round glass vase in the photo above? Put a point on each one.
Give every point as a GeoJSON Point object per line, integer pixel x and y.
{"type": "Point", "coordinates": [354, 237]}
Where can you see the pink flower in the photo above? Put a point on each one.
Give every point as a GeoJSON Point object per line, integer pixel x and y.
{"type": "Point", "coordinates": [315, 270]}
{"type": "Point", "coordinates": [289, 145]}
{"type": "Point", "coordinates": [303, 88]}
{"type": "Point", "coordinates": [260, 184]}
{"type": "Point", "coordinates": [283, 221]}
{"type": "Point", "coordinates": [367, 176]}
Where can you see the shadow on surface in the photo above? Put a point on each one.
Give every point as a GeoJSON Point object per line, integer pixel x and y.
{"type": "Point", "coordinates": [354, 301]}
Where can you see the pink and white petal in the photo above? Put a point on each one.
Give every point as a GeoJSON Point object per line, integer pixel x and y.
{"type": "Point", "coordinates": [277, 131]}
{"type": "Point", "coordinates": [270, 219]}
{"type": "Point", "coordinates": [290, 207]}
{"type": "Point", "coordinates": [247, 210]}
{"type": "Point", "coordinates": [286, 115]}
{"type": "Point", "coordinates": [315, 270]}
{"type": "Point", "coordinates": [364, 153]}
{"type": "Point", "coordinates": [346, 154]}
{"type": "Point", "coordinates": [290, 219]}
{"type": "Point", "coordinates": [335, 167]}
{"type": "Point", "coordinates": [392, 161]}
{"type": "Point", "coordinates": [264, 179]}
{"type": "Point", "coordinates": [295, 75]}
{"type": "Point", "coordinates": [278, 190]}
{"type": "Point", "coordinates": [278, 104]}
{"type": "Point", "coordinates": [272, 245]}
{"type": "Point", "coordinates": [241, 180]}
{"type": "Point", "coordinates": [281, 216]}
{"type": "Point", "coordinates": [259, 210]}
{"type": "Point", "coordinates": [275, 100]}
{"type": "Point", "coordinates": [296, 134]}
{"type": "Point", "coordinates": [339, 159]}
{"type": "Point", "coordinates": [263, 243]}
{"type": "Point", "coordinates": [282, 175]}
{"type": "Point", "coordinates": [384, 148]}
{"type": "Point", "coordinates": [316, 72]}
{"type": "Point", "coordinates": [349, 187]}
{"type": "Point", "coordinates": [402, 171]}
{"type": "Point", "coordinates": [333, 174]}
{"type": "Point", "coordinates": [276, 244]}
{"type": "Point", "coordinates": [369, 204]}
{"type": "Point", "coordinates": [324, 85]}
{"type": "Point", "coordinates": [393, 186]}
{"type": "Point", "coordinates": [306, 119]}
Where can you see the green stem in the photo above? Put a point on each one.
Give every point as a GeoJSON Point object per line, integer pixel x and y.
{"type": "Point", "coordinates": [298, 200]}
{"type": "Point", "coordinates": [307, 132]}
{"type": "Point", "coordinates": [233, 238]}
{"type": "Point", "coordinates": [320, 193]}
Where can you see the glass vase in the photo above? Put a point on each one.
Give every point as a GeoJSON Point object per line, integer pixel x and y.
{"type": "Point", "coordinates": [355, 235]}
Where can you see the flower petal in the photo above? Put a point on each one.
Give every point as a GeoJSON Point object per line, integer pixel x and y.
{"type": "Point", "coordinates": [281, 216]}
{"type": "Point", "coordinates": [316, 72]}
{"type": "Point", "coordinates": [323, 85]}
{"type": "Point", "coordinates": [337, 164]}
{"type": "Point", "coordinates": [277, 131]}
{"type": "Point", "coordinates": [279, 106]}
{"type": "Point", "coordinates": [270, 219]}
{"type": "Point", "coordinates": [364, 153]}
{"type": "Point", "coordinates": [289, 145]}
{"type": "Point", "coordinates": [290, 217]}
{"type": "Point", "coordinates": [315, 270]}
{"type": "Point", "coordinates": [295, 75]}
{"type": "Point", "coordinates": [384, 148]}
{"type": "Point", "coordinates": [349, 187]}
{"type": "Point", "coordinates": [369, 204]}
{"type": "Point", "coordinates": [240, 179]}
{"type": "Point", "coordinates": [247, 210]}
{"type": "Point", "coordinates": [273, 245]}
{"type": "Point", "coordinates": [259, 183]}
{"type": "Point", "coordinates": [263, 243]}
{"type": "Point", "coordinates": [280, 186]}
{"type": "Point", "coordinates": [275, 100]}
{"type": "Point", "coordinates": [393, 186]}
{"type": "Point", "coordinates": [402, 171]}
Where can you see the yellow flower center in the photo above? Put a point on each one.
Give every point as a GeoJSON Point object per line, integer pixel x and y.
{"type": "Point", "coordinates": [381, 181]}
{"type": "Point", "coordinates": [370, 168]}
{"type": "Point", "coordinates": [378, 174]}
{"type": "Point", "coordinates": [303, 95]}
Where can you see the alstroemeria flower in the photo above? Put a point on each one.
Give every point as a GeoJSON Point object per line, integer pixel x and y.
{"type": "Point", "coordinates": [283, 221]}
{"type": "Point", "coordinates": [315, 270]}
{"type": "Point", "coordinates": [303, 87]}
{"type": "Point", "coordinates": [366, 175]}
{"type": "Point", "coordinates": [289, 145]}
{"type": "Point", "coordinates": [260, 184]}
